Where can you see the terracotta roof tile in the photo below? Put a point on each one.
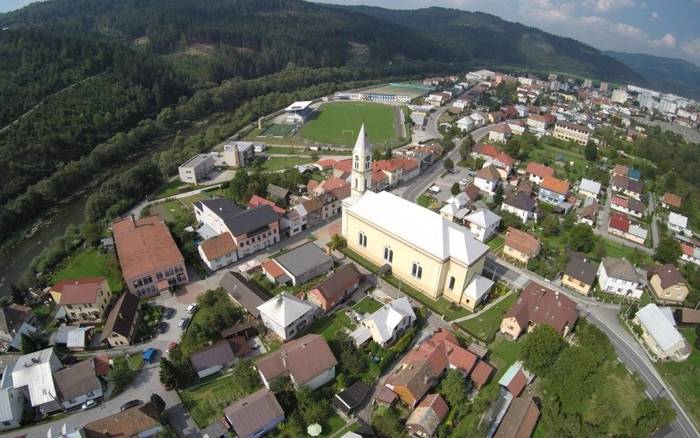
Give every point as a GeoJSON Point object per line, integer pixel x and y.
{"type": "Point", "coordinates": [303, 358]}
{"type": "Point", "coordinates": [555, 185]}
{"type": "Point", "coordinates": [522, 242]}
{"type": "Point", "coordinates": [672, 199]}
{"type": "Point", "coordinates": [538, 169]}
{"type": "Point", "coordinates": [218, 246]}
{"type": "Point", "coordinates": [481, 374]}
{"type": "Point", "coordinates": [80, 291]}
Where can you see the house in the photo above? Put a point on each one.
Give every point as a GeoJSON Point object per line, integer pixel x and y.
{"type": "Point", "coordinates": [218, 252]}
{"type": "Point", "coordinates": [77, 384]}
{"type": "Point", "coordinates": [243, 292]}
{"type": "Point", "coordinates": [620, 225]}
{"type": "Point", "coordinates": [678, 223]}
{"type": "Point", "coordinates": [487, 179]}
{"type": "Point", "coordinates": [618, 276]}
{"type": "Point", "coordinates": [483, 224]}
{"type": "Point", "coordinates": [538, 305]}
{"type": "Point", "coordinates": [520, 419]}
{"type": "Point", "coordinates": [671, 200]}
{"type": "Point", "coordinates": [553, 190]}
{"type": "Point", "coordinates": [426, 418]}
{"type": "Point", "coordinates": [12, 403]}
{"type": "Point", "coordinates": [194, 170]}
{"type": "Point", "coordinates": [494, 156]}
{"type": "Point", "coordinates": [588, 213]}
{"type": "Point", "coordinates": [540, 123]}
{"type": "Point", "coordinates": [465, 124]}
{"type": "Point", "coordinates": [304, 262]}
{"type": "Point", "coordinates": [219, 355]}
{"type": "Point", "coordinates": [122, 320]}
{"type": "Point", "coordinates": [500, 133]}
{"type": "Point", "coordinates": [286, 315]}
{"type": "Point", "coordinates": [628, 187]}
{"type": "Point", "coordinates": [589, 188]}
{"type": "Point", "coordinates": [12, 319]}
{"type": "Point", "coordinates": [351, 397]}
{"type": "Point", "coordinates": [84, 300]}
{"type": "Point", "coordinates": [668, 284]}
{"type": "Point", "coordinates": [336, 287]}
{"type": "Point", "coordinates": [441, 260]}
{"type": "Point", "coordinates": [277, 192]}
{"type": "Point", "coordinates": [255, 415]}
{"type": "Point", "coordinates": [536, 172]}
{"type": "Point", "coordinates": [385, 325]}
{"type": "Point", "coordinates": [516, 378]}
{"type": "Point", "coordinates": [256, 201]}
{"type": "Point", "coordinates": [620, 170]}
{"type": "Point", "coordinates": [72, 337]}
{"type": "Point", "coordinates": [418, 371]}
{"type": "Point", "coordinates": [481, 374]}
{"type": "Point", "coordinates": [148, 255]}
{"type": "Point", "coordinates": [660, 334]}
{"type": "Point", "coordinates": [572, 132]}
{"type": "Point", "coordinates": [521, 205]}
{"type": "Point", "coordinates": [140, 421]}
{"type": "Point", "coordinates": [455, 209]}
{"type": "Point", "coordinates": [239, 153]}
{"type": "Point", "coordinates": [251, 230]}
{"type": "Point", "coordinates": [630, 206]}
{"type": "Point", "coordinates": [307, 361]}
{"type": "Point", "coordinates": [33, 373]}
{"type": "Point", "coordinates": [580, 274]}
{"type": "Point", "coordinates": [690, 253]}
{"type": "Point", "coordinates": [520, 246]}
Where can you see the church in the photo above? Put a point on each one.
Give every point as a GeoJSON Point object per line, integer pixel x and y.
{"type": "Point", "coordinates": [425, 250]}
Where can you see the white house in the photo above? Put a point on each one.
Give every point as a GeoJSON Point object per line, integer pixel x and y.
{"type": "Point", "coordinates": [34, 373]}
{"type": "Point", "coordinates": [521, 205]}
{"type": "Point", "coordinates": [589, 188]}
{"type": "Point", "coordinates": [678, 223]}
{"type": "Point", "coordinates": [479, 120]}
{"type": "Point", "coordinates": [476, 292]}
{"type": "Point", "coordinates": [465, 124]}
{"type": "Point", "coordinates": [286, 315]}
{"type": "Point", "coordinates": [385, 325]}
{"type": "Point", "coordinates": [487, 179]}
{"type": "Point", "coordinates": [483, 224]}
{"type": "Point", "coordinates": [618, 276]}
{"type": "Point", "coordinates": [660, 334]}
{"type": "Point", "coordinates": [11, 403]}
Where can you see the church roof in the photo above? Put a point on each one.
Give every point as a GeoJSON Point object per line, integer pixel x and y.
{"type": "Point", "coordinates": [362, 145]}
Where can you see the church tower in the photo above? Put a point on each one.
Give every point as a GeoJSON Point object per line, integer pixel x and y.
{"type": "Point", "coordinates": [361, 164]}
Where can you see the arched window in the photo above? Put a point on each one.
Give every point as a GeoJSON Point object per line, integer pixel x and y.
{"type": "Point", "coordinates": [388, 254]}
{"type": "Point", "coordinates": [367, 158]}
{"type": "Point", "coordinates": [362, 239]}
{"type": "Point", "coordinates": [357, 162]}
{"type": "Point", "coordinates": [417, 270]}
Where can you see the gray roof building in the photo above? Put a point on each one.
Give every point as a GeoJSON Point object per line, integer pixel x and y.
{"type": "Point", "coordinates": [622, 269]}
{"type": "Point", "coordinates": [521, 201]}
{"type": "Point", "coordinates": [252, 415]}
{"type": "Point", "coordinates": [305, 262]}
{"type": "Point", "coordinates": [581, 268]}
{"type": "Point", "coordinates": [243, 292]}
{"type": "Point", "coordinates": [238, 220]}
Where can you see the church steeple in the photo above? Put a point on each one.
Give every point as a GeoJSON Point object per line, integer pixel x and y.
{"type": "Point", "coordinates": [361, 163]}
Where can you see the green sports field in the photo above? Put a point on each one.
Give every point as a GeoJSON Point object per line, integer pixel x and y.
{"type": "Point", "coordinates": [339, 123]}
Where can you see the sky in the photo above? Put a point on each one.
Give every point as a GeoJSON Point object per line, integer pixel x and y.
{"type": "Point", "coordinates": [657, 27]}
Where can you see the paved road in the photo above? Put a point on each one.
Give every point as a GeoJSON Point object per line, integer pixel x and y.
{"type": "Point", "coordinates": [425, 180]}
{"type": "Point", "coordinates": [605, 317]}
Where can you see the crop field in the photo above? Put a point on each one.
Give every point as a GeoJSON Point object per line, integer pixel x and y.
{"type": "Point", "coordinates": [339, 123]}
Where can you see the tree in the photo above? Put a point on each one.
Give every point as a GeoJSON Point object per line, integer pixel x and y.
{"type": "Point", "coordinates": [541, 348]}
{"type": "Point", "coordinates": [337, 241]}
{"type": "Point", "coordinates": [449, 164]}
{"type": "Point", "coordinates": [581, 238]}
{"type": "Point", "coordinates": [28, 344]}
{"type": "Point", "coordinates": [18, 295]}
{"type": "Point", "coordinates": [550, 225]}
{"type": "Point", "coordinates": [455, 189]}
{"type": "Point", "coordinates": [312, 408]}
{"type": "Point", "coordinates": [498, 196]}
{"type": "Point", "coordinates": [651, 415]}
{"type": "Point", "coordinates": [122, 374]}
{"type": "Point", "coordinates": [454, 388]}
{"type": "Point", "coordinates": [590, 151]}
{"type": "Point", "coordinates": [387, 423]}
{"type": "Point", "coordinates": [668, 251]}
{"type": "Point", "coordinates": [158, 402]}
{"type": "Point", "coordinates": [387, 153]}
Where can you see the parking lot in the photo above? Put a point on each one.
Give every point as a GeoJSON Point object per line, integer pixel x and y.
{"type": "Point", "coordinates": [461, 176]}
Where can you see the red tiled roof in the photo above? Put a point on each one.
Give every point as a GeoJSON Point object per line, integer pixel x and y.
{"type": "Point", "coordinates": [481, 374]}
{"type": "Point", "coordinates": [555, 185]}
{"type": "Point", "coordinates": [304, 359]}
{"type": "Point", "coordinates": [343, 165]}
{"type": "Point", "coordinates": [538, 169]}
{"type": "Point", "coordinates": [619, 169]}
{"type": "Point", "coordinates": [272, 268]}
{"type": "Point", "coordinates": [256, 200]}
{"type": "Point", "coordinates": [619, 221]}
{"type": "Point", "coordinates": [672, 199]}
{"type": "Point", "coordinates": [517, 383]}
{"type": "Point", "coordinates": [101, 365]}
{"type": "Point", "coordinates": [218, 246]}
{"type": "Point", "coordinates": [619, 201]}
{"type": "Point", "coordinates": [687, 249]}
{"type": "Point", "coordinates": [540, 305]}
{"type": "Point", "coordinates": [326, 163]}
{"type": "Point", "coordinates": [522, 242]}
{"type": "Point", "coordinates": [436, 403]}
{"type": "Point", "coordinates": [81, 291]}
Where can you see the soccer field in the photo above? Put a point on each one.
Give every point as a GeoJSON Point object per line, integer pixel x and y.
{"type": "Point", "coordinates": [339, 123]}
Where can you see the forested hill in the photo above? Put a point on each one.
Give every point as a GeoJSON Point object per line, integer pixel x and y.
{"type": "Point", "coordinates": [487, 40]}
{"type": "Point", "coordinates": [665, 74]}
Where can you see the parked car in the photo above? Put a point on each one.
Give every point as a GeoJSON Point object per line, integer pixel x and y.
{"type": "Point", "coordinates": [191, 308]}
{"type": "Point", "coordinates": [168, 313]}
{"type": "Point", "coordinates": [88, 404]}
{"type": "Point", "coordinates": [434, 189]}
{"type": "Point", "coordinates": [183, 323]}
{"type": "Point", "coordinates": [131, 404]}
{"type": "Point", "coordinates": [162, 327]}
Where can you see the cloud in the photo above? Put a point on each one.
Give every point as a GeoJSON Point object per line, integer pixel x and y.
{"type": "Point", "coordinates": [610, 5]}
{"type": "Point", "coordinates": [547, 10]}
{"type": "Point", "coordinates": [692, 47]}
{"type": "Point", "coordinates": [602, 26]}
{"type": "Point", "coordinates": [667, 41]}
{"type": "Point", "coordinates": [654, 16]}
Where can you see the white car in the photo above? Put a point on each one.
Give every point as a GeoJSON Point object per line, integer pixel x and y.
{"type": "Point", "coordinates": [434, 189]}
{"type": "Point", "coordinates": [88, 404]}
{"type": "Point", "coordinates": [191, 308]}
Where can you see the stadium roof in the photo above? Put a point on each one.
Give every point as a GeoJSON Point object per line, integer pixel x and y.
{"type": "Point", "coordinates": [298, 106]}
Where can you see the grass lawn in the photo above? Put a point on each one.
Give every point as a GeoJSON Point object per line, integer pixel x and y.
{"type": "Point", "coordinates": [170, 210]}
{"type": "Point", "coordinates": [486, 324]}
{"type": "Point", "coordinates": [330, 324]}
{"type": "Point", "coordinates": [171, 188]}
{"type": "Point", "coordinates": [135, 360]}
{"type": "Point", "coordinates": [286, 150]}
{"type": "Point", "coordinates": [188, 201]}
{"type": "Point", "coordinates": [339, 123]}
{"type": "Point", "coordinates": [91, 263]}
{"type": "Point", "coordinates": [614, 249]}
{"type": "Point", "coordinates": [279, 163]}
{"type": "Point", "coordinates": [684, 377]}
{"type": "Point", "coordinates": [504, 353]}
{"type": "Point", "coordinates": [367, 305]}
{"type": "Point", "coordinates": [496, 243]}
{"type": "Point", "coordinates": [206, 402]}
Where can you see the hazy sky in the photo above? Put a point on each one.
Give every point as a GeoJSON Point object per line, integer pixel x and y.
{"type": "Point", "coordinates": [658, 27]}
